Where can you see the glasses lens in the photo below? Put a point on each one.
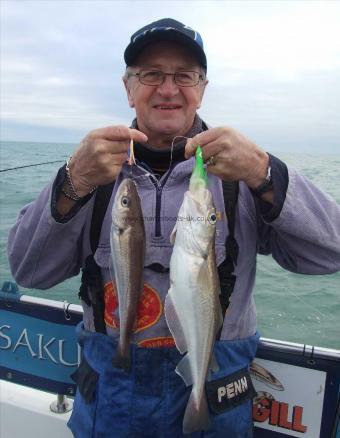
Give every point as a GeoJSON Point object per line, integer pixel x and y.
{"type": "Point", "coordinates": [156, 77]}
{"type": "Point", "coordinates": [151, 77]}
{"type": "Point", "coordinates": [187, 78]}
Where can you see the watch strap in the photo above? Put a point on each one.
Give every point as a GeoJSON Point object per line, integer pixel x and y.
{"type": "Point", "coordinates": [264, 187]}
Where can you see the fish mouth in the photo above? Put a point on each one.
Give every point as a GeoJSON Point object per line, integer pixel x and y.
{"type": "Point", "coordinates": [201, 196]}
{"type": "Point", "coordinates": [199, 226]}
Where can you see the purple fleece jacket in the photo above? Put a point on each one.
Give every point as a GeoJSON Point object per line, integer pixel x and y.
{"type": "Point", "coordinates": [303, 238]}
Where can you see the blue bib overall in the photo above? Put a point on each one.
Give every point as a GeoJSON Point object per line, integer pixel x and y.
{"type": "Point", "coordinates": [150, 401]}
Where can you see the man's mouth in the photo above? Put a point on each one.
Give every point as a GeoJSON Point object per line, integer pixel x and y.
{"type": "Point", "coordinates": [167, 107]}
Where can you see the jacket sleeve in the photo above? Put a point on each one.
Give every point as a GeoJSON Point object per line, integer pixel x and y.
{"type": "Point", "coordinates": [305, 237]}
{"type": "Point", "coordinates": [43, 252]}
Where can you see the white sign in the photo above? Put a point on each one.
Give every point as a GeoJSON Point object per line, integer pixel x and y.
{"type": "Point", "coordinates": [289, 398]}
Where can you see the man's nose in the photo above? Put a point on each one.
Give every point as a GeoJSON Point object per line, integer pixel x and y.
{"type": "Point", "coordinates": [168, 87]}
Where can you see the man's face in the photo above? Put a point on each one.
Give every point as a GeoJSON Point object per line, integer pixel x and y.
{"type": "Point", "coordinates": [166, 110]}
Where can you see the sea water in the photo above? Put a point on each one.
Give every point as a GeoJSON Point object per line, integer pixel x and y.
{"type": "Point", "coordinates": [291, 307]}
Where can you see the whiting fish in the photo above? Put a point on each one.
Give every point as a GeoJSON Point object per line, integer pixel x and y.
{"type": "Point", "coordinates": [127, 241]}
{"type": "Point", "coordinates": [192, 306]}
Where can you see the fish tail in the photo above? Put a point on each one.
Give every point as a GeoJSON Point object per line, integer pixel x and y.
{"type": "Point", "coordinates": [196, 416]}
{"type": "Point", "coordinates": [122, 359]}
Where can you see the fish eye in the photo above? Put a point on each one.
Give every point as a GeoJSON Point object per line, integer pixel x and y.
{"type": "Point", "coordinates": [125, 201]}
{"type": "Point", "coordinates": [212, 218]}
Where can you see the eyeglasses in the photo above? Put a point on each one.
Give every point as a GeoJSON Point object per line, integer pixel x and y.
{"type": "Point", "coordinates": [157, 77]}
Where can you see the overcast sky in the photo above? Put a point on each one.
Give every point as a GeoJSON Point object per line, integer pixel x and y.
{"type": "Point", "coordinates": [273, 67]}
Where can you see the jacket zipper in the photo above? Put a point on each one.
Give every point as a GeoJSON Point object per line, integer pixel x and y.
{"type": "Point", "coordinates": [159, 190]}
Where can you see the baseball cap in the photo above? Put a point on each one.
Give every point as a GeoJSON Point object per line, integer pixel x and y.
{"type": "Point", "coordinates": [166, 29]}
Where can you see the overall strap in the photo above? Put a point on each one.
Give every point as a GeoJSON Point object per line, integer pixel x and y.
{"type": "Point", "coordinates": [226, 269]}
{"type": "Point", "coordinates": [101, 203]}
{"type": "Point", "coordinates": [91, 288]}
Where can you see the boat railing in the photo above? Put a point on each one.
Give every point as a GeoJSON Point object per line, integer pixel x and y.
{"type": "Point", "coordinates": [297, 385]}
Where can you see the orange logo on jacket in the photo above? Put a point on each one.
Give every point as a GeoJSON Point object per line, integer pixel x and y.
{"type": "Point", "coordinates": [149, 307]}
{"type": "Point", "coordinates": [166, 341]}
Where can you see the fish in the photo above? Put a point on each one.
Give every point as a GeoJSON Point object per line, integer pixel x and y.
{"type": "Point", "coordinates": [192, 307]}
{"type": "Point", "coordinates": [263, 375]}
{"type": "Point", "coordinates": [128, 243]}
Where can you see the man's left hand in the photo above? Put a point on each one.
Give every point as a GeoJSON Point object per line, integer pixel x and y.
{"type": "Point", "coordinates": [234, 157]}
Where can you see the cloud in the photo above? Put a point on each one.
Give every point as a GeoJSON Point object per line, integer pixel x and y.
{"type": "Point", "coordinates": [283, 41]}
{"type": "Point", "coordinates": [274, 67]}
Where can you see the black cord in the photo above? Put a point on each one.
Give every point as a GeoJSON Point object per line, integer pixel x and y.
{"type": "Point", "coordinates": [31, 165]}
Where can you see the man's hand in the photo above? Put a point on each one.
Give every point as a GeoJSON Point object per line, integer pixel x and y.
{"type": "Point", "coordinates": [100, 156]}
{"type": "Point", "coordinates": [98, 160]}
{"type": "Point", "coordinates": [235, 157]}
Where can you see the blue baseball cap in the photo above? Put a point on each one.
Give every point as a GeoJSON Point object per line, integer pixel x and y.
{"type": "Point", "coordinates": [166, 29]}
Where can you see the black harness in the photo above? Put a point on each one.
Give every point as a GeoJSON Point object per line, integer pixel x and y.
{"type": "Point", "coordinates": [91, 289]}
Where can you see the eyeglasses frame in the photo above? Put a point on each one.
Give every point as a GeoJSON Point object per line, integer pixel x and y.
{"type": "Point", "coordinates": [200, 77]}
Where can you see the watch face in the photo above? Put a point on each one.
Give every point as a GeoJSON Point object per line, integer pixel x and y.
{"type": "Point", "coordinates": [266, 186]}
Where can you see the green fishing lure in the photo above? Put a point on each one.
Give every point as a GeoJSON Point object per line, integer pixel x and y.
{"type": "Point", "coordinates": [199, 175]}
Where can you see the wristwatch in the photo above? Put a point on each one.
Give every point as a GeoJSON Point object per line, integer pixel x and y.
{"type": "Point", "coordinates": [266, 186]}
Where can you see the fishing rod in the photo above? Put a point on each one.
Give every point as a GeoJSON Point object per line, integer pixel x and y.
{"type": "Point", "coordinates": [31, 165]}
{"type": "Point", "coordinates": [131, 158]}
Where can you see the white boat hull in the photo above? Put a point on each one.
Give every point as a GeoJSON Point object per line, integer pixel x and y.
{"type": "Point", "coordinates": [25, 412]}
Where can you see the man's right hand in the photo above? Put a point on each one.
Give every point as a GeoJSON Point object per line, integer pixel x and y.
{"type": "Point", "coordinates": [100, 156]}
{"type": "Point", "coordinates": [98, 160]}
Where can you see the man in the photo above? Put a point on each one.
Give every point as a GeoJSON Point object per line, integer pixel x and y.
{"type": "Point", "coordinates": [278, 212]}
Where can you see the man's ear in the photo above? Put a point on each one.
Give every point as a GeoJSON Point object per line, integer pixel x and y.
{"type": "Point", "coordinates": [129, 92]}
{"type": "Point", "coordinates": [202, 92]}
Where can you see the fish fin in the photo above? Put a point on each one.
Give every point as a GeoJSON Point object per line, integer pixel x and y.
{"type": "Point", "coordinates": [173, 235]}
{"type": "Point", "coordinates": [183, 369]}
{"type": "Point", "coordinates": [214, 366]}
{"type": "Point", "coordinates": [220, 319]}
{"type": "Point", "coordinates": [196, 416]}
{"type": "Point", "coordinates": [112, 271]}
{"type": "Point", "coordinates": [174, 324]}
{"type": "Point", "coordinates": [122, 359]}
{"type": "Point", "coordinates": [219, 324]}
